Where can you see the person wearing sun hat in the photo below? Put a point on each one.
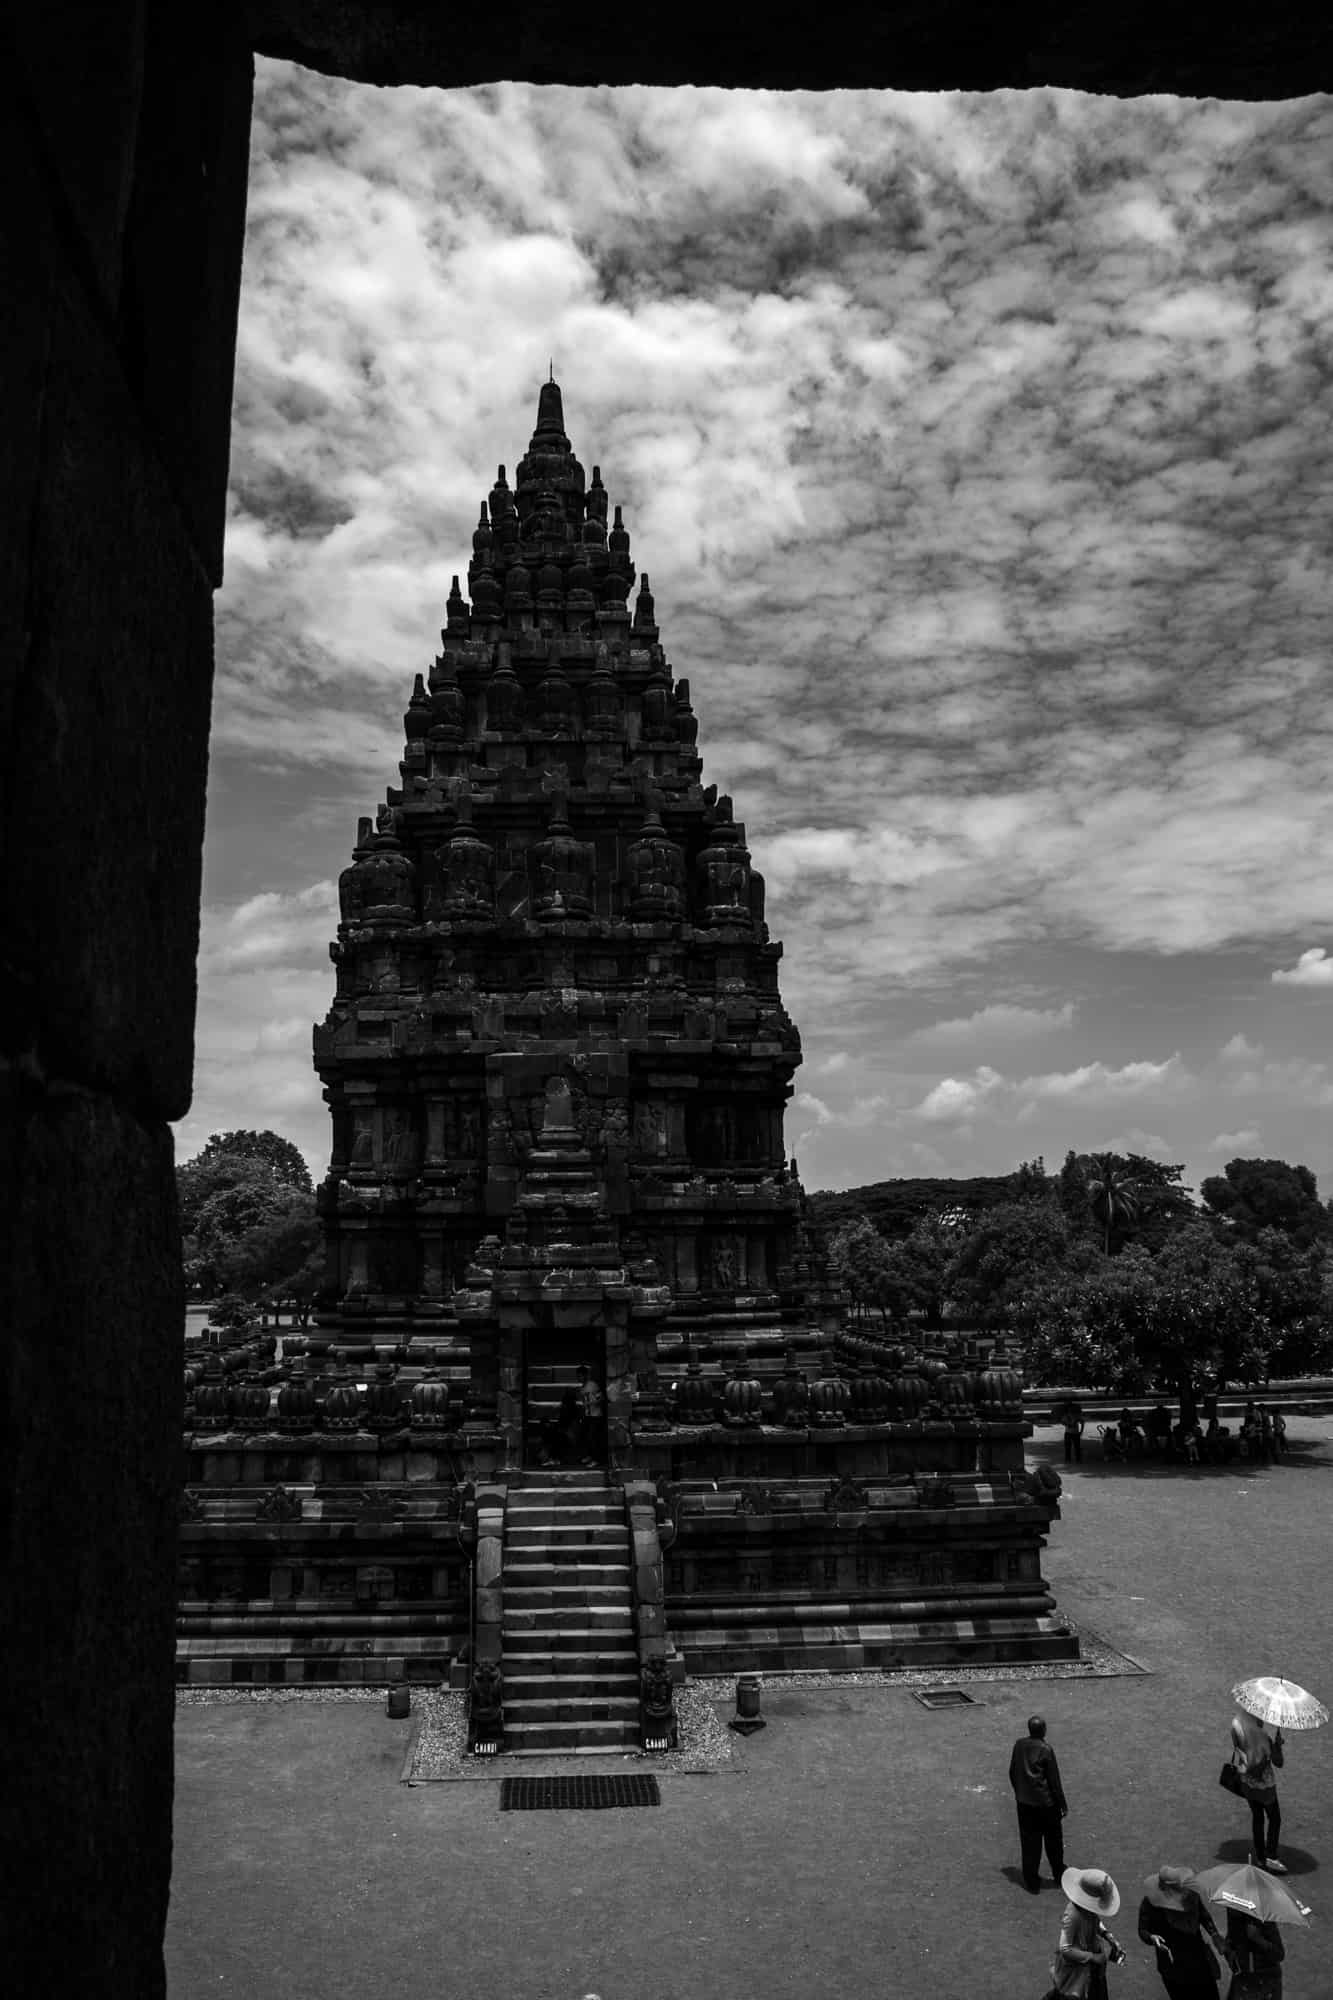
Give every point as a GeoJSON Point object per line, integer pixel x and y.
{"type": "Point", "coordinates": [1175, 1920]}
{"type": "Point", "coordinates": [1086, 1947]}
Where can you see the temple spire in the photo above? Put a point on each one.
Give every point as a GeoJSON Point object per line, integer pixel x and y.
{"type": "Point", "coordinates": [550, 409]}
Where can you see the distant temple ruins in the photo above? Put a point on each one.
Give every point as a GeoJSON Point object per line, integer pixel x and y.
{"type": "Point", "coordinates": [557, 1063]}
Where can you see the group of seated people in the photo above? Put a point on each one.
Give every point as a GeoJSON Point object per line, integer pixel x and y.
{"type": "Point", "coordinates": [1262, 1437]}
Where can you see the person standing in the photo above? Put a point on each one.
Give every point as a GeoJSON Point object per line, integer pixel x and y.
{"type": "Point", "coordinates": [1175, 1920]}
{"type": "Point", "coordinates": [1256, 1755]}
{"type": "Point", "coordinates": [1267, 1443]}
{"type": "Point", "coordinates": [560, 1434]}
{"type": "Point", "coordinates": [1257, 1954]}
{"type": "Point", "coordinates": [590, 1407]}
{"type": "Point", "coordinates": [1040, 1798]}
{"type": "Point", "coordinates": [1086, 1947]}
{"type": "Point", "coordinates": [1072, 1415]}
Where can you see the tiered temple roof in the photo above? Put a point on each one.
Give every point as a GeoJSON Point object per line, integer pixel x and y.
{"type": "Point", "coordinates": [553, 920]}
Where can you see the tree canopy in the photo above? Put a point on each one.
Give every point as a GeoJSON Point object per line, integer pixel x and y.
{"type": "Point", "coordinates": [895, 1278]}
{"type": "Point", "coordinates": [1252, 1195]}
{"type": "Point", "coordinates": [268, 1149]}
{"type": "Point", "coordinates": [1108, 1270]}
{"type": "Point", "coordinates": [895, 1207]}
{"type": "Point", "coordinates": [1123, 1198]}
{"type": "Point", "coordinates": [247, 1214]}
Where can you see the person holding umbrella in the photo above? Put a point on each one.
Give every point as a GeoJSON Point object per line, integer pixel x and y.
{"type": "Point", "coordinates": [1267, 1699]}
{"type": "Point", "coordinates": [1176, 1922]}
{"type": "Point", "coordinates": [1255, 1904]}
{"type": "Point", "coordinates": [1256, 1755]}
{"type": "Point", "coordinates": [1258, 1952]}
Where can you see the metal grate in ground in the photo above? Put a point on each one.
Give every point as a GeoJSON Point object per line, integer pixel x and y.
{"type": "Point", "coordinates": [942, 1697]}
{"type": "Point", "coordinates": [577, 1794]}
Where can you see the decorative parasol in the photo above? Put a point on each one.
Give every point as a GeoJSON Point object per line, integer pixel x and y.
{"type": "Point", "coordinates": [1280, 1702]}
{"type": "Point", "coordinates": [1254, 1891]}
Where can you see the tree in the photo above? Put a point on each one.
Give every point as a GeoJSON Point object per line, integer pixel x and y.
{"type": "Point", "coordinates": [282, 1255]}
{"type": "Point", "coordinates": [1192, 1318]}
{"type": "Point", "coordinates": [1159, 1203]}
{"type": "Point", "coordinates": [1113, 1194]}
{"type": "Point", "coordinates": [268, 1149]}
{"type": "Point", "coordinates": [240, 1184]}
{"type": "Point", "coordinates": [1078, 1324]}
{"type": "Point", "coordinates": [1030, 1181]}
{"type": "Point", "coordinates": [896, 1207]}
{"type": "Point", "coordinates": [1291, 1284]}
{"type": "Point", "coordinates": [925, 1258]}
{"type": "Point", "coordinates": [1005, 1253]}
{"type": "Point", "coordinates": [1251, 1195]}
{"type": "Point", "coordinates": [865, 1265]}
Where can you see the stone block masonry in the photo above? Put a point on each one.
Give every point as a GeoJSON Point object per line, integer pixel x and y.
{"type": "Point", "coordinates": [560, 1225]}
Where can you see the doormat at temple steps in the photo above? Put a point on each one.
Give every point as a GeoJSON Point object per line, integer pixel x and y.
{"type": "Point", "coordinates": [577, 1794]}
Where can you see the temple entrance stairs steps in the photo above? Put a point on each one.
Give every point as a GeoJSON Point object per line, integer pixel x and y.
{"type": "Point", "coordinates": [569, 1655]}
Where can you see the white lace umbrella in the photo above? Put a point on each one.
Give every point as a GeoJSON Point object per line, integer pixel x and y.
{"type": "Point", "coordinates": [1280, 1702]}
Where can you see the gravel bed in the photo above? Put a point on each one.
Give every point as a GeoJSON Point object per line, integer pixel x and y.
{"type": "Point", "coordinates": [705, 1742]}
{"type": "Point", "coordinates": [191, 1697]}
{"type": "Point", "coordinates": [440, 1750]}
{"type": "Point", "coordinates": [1098, 1662]}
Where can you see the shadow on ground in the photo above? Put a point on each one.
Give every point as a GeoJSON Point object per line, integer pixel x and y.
{"type": "Point", "coordinates": [1297, 1860]}
{"type": "Point", "coordinates": [1304, 1455]}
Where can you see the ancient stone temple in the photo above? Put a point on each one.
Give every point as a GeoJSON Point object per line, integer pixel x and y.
{"type": "Point", "coordinates": [580, 1412]}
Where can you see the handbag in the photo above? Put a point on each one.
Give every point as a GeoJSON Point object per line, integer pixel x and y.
{"type": "Point", "coordinates": [1229, 1778]}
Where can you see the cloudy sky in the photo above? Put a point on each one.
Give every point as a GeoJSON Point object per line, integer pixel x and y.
{"type": "Point", "coordinates": [980, 451]}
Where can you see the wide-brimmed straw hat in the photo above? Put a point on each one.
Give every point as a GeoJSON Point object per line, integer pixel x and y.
{"type": "Point", "coordinates": [1092, 1889]}
{"type": "Point", "coordinates": [1167, 1887]}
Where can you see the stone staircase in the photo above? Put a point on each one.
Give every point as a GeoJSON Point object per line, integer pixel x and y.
{"type": "Point", "coordinates": [569, 1654]}
{"type": "Point", "coordinates": [546, 1384]}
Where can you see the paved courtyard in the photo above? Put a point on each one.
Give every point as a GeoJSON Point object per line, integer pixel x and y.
{"type": "Point", "coordinates": [859, 1846]}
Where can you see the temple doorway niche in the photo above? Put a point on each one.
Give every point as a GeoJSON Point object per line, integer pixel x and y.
{"type": "Point", "coordinates": [552, 1357]}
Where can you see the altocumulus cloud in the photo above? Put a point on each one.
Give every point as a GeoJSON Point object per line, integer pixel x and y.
{"type": "Point", "coordinates": [1235, 1144]}
{"type": "Point", "coordinates": [264, 981]}
{"type": "Point", "coordinates": [1091, 1086]}
{"type": "Point", "coordinates": [1313, 968]}
{"type": "Point", "coordinates": [1000, 1022]}
{"type": "Point", "coordinates": [977, 447]}
{"type": "Point", "coordinates": [269, 930]}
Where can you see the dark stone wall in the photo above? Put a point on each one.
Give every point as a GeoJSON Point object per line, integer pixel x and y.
{"type": "Point", "coordinates": [1136, 47]}
{"type": "Point", "coordinates": [123, 132]}
{"type": "Point", "coordinates": [124, 142]}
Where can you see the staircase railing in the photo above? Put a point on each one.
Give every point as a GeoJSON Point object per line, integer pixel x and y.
{"type": "Point", "coordinates": [486, 1732]}
{"type": "Point", "coordinates": [657, 1713]}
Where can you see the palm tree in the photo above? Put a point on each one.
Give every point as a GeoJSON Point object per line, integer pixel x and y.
{"type": "Point", "coordinates": [1113, 1194]}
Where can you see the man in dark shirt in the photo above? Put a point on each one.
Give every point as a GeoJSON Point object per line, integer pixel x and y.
{"type": "Point", "coordinates": [1071, 1415]}
{"type": "Point", "coordinates": [1040, 1798]}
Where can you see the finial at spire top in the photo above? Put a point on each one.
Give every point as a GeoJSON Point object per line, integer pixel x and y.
{"type": "Point", "coordinates": [551, 371]}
